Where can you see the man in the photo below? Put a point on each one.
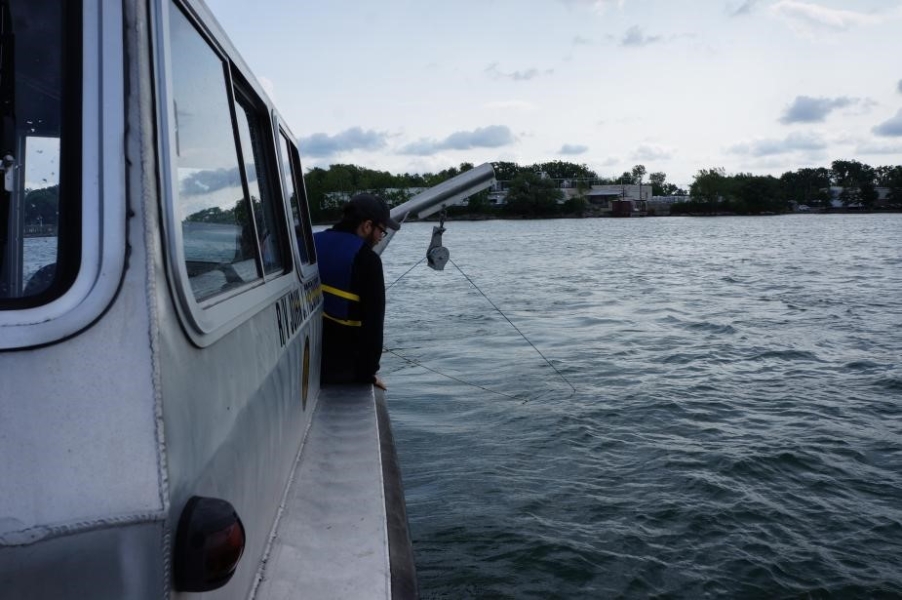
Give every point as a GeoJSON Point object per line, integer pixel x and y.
{"type": "Point", "coordinates": [353, 291]}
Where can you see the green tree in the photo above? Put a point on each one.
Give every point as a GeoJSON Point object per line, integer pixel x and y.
{"type": "Point", "coordinates": [314, 184]}
{"type": "Point", "coordinates": [754, 194]}
{"type": "Point", "coordinates": [213, 215]}
{"type": "Point", "coordinates": [638, 174]}
{"type": "Point", "coordinates": [561, 170]}
{"type": "Point", "coordinates": [857, 180]}
{"type": "Point", "coordinates": [708, 187]}
{"type": "Point", "coordinates": [576, 205]}
{"type": "Point", "coordinates": [657, 180]}
{"type": "Point", "coordinates": [478, 203]}
{"type": "Point", "coordinates": [672, 189]}
{"type": "Point", "coordinates": [805, 186]}
{"type": "Point", "coordinates": [506, 171]}
{"type": "Point", "coordinates": [846, 173]}
{"type": "Point", "coordinates": [42, 206]}
{"type": "Point", "coordinates": [891, 177]}
{"type": "Point", "coordinates": [533, 196]}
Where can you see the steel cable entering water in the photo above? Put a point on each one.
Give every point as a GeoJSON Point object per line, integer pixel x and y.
{"type": "Point", "coordinates": [517, 329]}
{"type": "Point", "coordinates": [500, 312]}
{"type": "Point", "coordinates": [417, 363]}
{"type": "Point", "coordinates": [405, 273]}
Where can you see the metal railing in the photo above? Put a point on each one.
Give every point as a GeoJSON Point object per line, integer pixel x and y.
{"type": "Point", "coordinates": [40, 230]}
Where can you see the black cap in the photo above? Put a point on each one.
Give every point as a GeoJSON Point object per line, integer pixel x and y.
{"type": "Point", "coordinates": [370, 207]}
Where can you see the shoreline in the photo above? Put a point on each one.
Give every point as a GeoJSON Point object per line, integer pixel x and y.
{"type": "Point", "coordinates": [488, 217]}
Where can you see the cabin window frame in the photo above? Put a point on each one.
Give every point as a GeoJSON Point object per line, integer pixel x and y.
{"type": "Point", "coordinates": [244, 100]}
{"type": "Point", "coordinates": [97, 231]}
{"type": "Point", "coordinates": [293, 172]}
{"type": "Point", "coordinates": [209, 319]}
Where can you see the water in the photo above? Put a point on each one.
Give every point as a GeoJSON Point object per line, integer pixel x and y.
{"type": "Point", "coordinates": [736, 430]}
{"type": "Point", "coordinates": [38, 252]}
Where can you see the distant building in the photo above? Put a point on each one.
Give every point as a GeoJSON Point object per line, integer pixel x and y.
{"type": "Point", "coordinates": [629, 199]}
{"type": "Point", "coordinates": [659, 206]}
{"type": "Point", "coordinates": [603, 195]}
{"type": "Point", "coordinates": [836, 194]}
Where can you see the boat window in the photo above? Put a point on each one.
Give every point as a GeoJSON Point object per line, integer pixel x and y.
{"type": "Point", "coordinates": [252, 132]}
{"type": "Point", "coordinates": [219, 239]}
{"type": "Point", "coordinates": [40, 133]}
{"type": "Point", "coordinates": [294, 188]}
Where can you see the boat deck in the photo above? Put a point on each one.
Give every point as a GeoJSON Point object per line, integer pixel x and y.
{"type": "Point", "coordinates": [343, 529]}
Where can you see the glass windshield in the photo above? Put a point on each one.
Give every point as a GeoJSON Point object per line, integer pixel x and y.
{"type": "Point", "coordinates": [39, 76]}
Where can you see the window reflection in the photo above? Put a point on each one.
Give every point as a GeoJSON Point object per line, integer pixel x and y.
{"type": "Point", "coordinates": [291, 173]}
{"type": "Point", "coordinates": [217, 230]}
{"type": "Point", "coordinates": [262, 199]}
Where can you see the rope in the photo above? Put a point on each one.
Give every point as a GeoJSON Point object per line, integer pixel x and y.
{"type": "Point", "coordinates": [451, 377]}
{"type": "Point", "coordinates": [500, 312]}
{"type": "Point", "coordinates": [405, 273]}
{"type": "Point", "coordinates": [517, 329]}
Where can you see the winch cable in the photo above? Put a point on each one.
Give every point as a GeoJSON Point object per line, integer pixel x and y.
{"type": "Point", "coordinates": [417, 363]}
{"type": "Point", "coordinates": [405, 273]}
{"type": "Point", "coordinates": [517, 329]}
{"type": "Point", "coordinates": [489, 300]}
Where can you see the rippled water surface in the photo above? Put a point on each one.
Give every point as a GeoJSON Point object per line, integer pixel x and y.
{"type": "Point", "coordinates": [736, 429]}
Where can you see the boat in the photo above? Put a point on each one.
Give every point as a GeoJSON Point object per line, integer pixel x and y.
{"type": "Point", "coordinates": [163, 428]}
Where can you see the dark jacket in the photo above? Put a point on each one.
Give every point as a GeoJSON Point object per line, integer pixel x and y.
{"type": "Point", "coordinates": [352, 329]}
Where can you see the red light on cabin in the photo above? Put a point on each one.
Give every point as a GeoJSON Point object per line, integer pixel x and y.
{"type": "Point", "coordinates": [208, 546]}
{"type": "Point", "coordinates": [223, 549]}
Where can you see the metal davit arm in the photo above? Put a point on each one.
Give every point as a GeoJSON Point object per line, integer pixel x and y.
{"type": "Point", "coordinates": [441, 196]}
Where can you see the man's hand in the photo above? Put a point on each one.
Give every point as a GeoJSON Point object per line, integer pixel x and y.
{"type": "Point", "coordinates": [379, 383]}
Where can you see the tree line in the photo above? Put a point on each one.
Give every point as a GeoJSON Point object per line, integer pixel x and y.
{"type": "Point", "coordinates": [713, 191]}
{"type": "Point", "coordinates": [535, 190]}
{"type": "Point", "coordinates": [532, 190]}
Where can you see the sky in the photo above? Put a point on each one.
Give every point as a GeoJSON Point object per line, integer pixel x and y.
{"type": "Point", "coordinates": [416, 86]}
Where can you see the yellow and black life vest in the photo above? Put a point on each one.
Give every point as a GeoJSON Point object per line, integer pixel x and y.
{"type": "Point", "coordinates": [335, 253]}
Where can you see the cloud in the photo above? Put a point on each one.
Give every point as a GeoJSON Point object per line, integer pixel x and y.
{"type": "Point", "coordinates": [493, 136]}
{"type": "Point", "coordinates": [863, 106]}
{"type": "Point", "coordinates": [508, 105]}
{"type": "Point", "coordinates": [599, 6]}
{"type": "Point", "coordinates": [526, 75]}
{"type": "Point", "coordinates": [355, 138]}
{"type": "Point", "coordinates": [579, 40]}
{"type": "Point", "coordinates": [648, 152]}
{"type": "Point", "coordinates": [808, 19]}
{"type": "Point", "coordinates": [572, 149]}
{"type": "Point", "coordinates": [805, 109]}
{"type": "Point", "coordinates": [891, 127]}
{"type": "Point", "coordinates": [743, 9]}
{"type": "Point", "coordinates": [212, 180]}
{"type": "Point", "coordinates": [635, 37]}
{"type": "Point", "coordinates": [792, 143]}
{"type": "Point", "coordinates": [877, 148]}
